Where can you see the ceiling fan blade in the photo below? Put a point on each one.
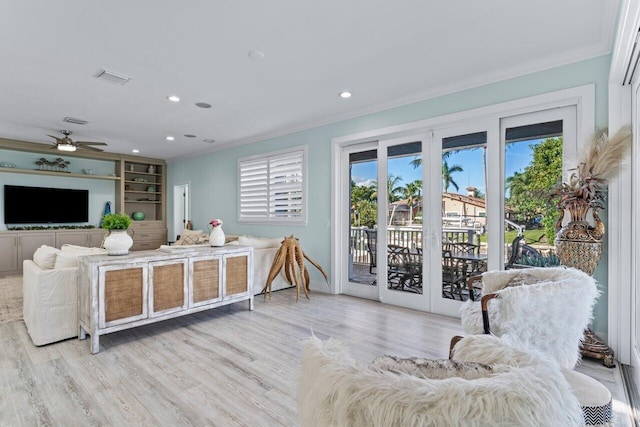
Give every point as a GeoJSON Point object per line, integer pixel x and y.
{"type": "Point", "coordinates": [88, 147]}
{"type": "Point", "coordinates": [90, 143]}
{"type": "Point", "coordinates": [59, 140]}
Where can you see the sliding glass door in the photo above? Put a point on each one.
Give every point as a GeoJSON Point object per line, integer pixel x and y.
{"type": "Point", "coordinates": [431, 210]}
{"type": "Point", "coordinates": [386, 255]}
{"type": "Point", "coordinates": [459, 221]}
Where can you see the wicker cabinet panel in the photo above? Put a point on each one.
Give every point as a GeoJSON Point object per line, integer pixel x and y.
{"type": "Point", "coordinates": [124, 291]}
{"type": "Point", "coordinates": [168, 286]}
{"type": "Point", "coordinates": [205, 280]}
{"type": "Point", "coordinates": [236, 275]}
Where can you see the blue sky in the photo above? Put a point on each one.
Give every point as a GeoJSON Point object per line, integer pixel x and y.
{"type": "Point", "coordinates": [518, 156]}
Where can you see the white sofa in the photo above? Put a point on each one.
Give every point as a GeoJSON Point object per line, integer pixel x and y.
{"type": "Point", "coordinates": [50, 292]}
{"type": "Point", "coordinates": [264, 251]}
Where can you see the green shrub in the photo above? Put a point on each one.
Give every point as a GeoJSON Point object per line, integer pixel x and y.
{"type": "Point", "coordinates": [539, 260]}
{"type": "Point", "coordinates": [115, 221]}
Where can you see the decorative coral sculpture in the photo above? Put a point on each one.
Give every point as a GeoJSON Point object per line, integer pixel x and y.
{"type": "Point", "coordinates": [291, 257]}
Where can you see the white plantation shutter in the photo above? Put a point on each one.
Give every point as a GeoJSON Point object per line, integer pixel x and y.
{"type": "Point", "coordinates": [253, 189]}
{"type": "Point", "coordinates": [272, 188]}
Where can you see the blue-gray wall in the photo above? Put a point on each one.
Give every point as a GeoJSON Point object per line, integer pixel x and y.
{"type": "Point", "coordinates": [213, 177]}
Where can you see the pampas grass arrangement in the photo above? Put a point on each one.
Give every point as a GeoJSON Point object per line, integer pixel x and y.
{"type": "Point", "coordinates": [601, 161]}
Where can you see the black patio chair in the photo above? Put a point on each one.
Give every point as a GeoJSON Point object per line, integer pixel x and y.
{"type": "Point", "coordinates": [454, 276]}
{"type": "Point", "coordinates": [372, 243]}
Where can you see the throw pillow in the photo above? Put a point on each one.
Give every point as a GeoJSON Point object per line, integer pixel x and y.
{"type": "Point", "coordinates": [437, 369]}
{"type": "Point", "coordinates": [45, 257]}
{"type": "Point", "coordinates": [190, 239]}
{"type": "Point", "coordinates": [69, 258]}
{"type": "Point", "coordinates": [187, 235]}
{"type": "Point", "coordinates": [66, 260]}
{"type": "Point", "coordinates": [83, 250]}
{"type": "Point", "coordinates": [521, 279]}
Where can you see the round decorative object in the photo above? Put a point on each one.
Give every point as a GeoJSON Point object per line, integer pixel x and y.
{"type": "Point", "coordinates": [578, 244]}
{"type": "Point", "coordinates": [216, 238]}
{"type": "Point", "coordinates": [137, 216]}
{"type": "Point", "coordinates": [151, 188]}
{"type": "Point", "coordinates": [118, 242]}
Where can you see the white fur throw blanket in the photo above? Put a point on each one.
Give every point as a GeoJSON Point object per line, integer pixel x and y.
{"type": "Point", "coordinates": [549, 313]}
{"type": "Point", "coordinates": [336, 390]}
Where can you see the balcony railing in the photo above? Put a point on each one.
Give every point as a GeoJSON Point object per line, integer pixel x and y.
{"type": "Point", "coordinates": [409, 237]}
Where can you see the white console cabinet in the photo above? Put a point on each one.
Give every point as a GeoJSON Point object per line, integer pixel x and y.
{"type": "Point", "coordinates": [122, 292]}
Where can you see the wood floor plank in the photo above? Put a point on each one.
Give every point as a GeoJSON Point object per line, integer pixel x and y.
{"type": "Point", "coordinates": [223, 367]}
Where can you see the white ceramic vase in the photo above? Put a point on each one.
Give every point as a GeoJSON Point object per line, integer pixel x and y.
{"type": "Point", "coordinates": [118, 242]}
{"type": "Point", "coordinates": [216, 238]}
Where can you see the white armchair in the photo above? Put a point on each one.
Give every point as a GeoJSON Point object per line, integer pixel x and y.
{"type": "Point", "coordinates": [545, 308]}
{"type": "Point", "coordinates": [50, 292]}
{"type": "Point", "coordinates": [336, 390]}
{"type": "Point", "coordinates": [50, 302]}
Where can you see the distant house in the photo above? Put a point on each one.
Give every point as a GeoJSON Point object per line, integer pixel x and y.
{"type": "Point", "coordinates": [459, 210]}
{"type": "Point", "coordinates": [402, 212]}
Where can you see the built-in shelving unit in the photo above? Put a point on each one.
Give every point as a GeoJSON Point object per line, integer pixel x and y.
{"type": "Point", "coordinates": [144, 190]}
{"type": "Point", "coordinates": [140, 186]}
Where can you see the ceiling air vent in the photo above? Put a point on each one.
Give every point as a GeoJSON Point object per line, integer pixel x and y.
{"type": "Point", "coordinates": [75, 121]}
{"type": "Point", "coordinates": [112, 77]}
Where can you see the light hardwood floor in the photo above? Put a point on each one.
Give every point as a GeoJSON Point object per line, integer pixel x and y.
{"type": "Point", "coordinates": [223, 367]}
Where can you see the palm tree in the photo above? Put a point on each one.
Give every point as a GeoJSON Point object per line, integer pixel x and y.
{"type": "Point", "coordinates": [447, 179]}
{"type": "Point", "coordinates": [393, 188]}
{"type": "Point", "coordinates": [417, 162]}
{"type": "Point", "coordinates": [412, 191]}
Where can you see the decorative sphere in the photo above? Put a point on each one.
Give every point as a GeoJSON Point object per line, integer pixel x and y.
{"type": "Point", "coordinates": [138, 216]}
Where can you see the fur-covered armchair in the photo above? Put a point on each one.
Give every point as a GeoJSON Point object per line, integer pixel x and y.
{"type": "Point", "coordinates": [545, 308]}
{"type": "Point", "coordinates": [594, 398]}
{"type": "Point", "coordinates": [336, 390]}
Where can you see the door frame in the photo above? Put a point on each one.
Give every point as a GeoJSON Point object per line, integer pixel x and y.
{"type": "Point", "coordinates": [181, 208]}
{"type": "Point", "coordinates": [344, 285]}
{"type": "Point", "coordinates": [440, 305]}
{"type": "Point", "coordinates": [390, 296]}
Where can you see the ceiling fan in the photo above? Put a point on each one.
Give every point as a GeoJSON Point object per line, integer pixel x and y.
{"type": "Point", "coordinates": [66, 144]}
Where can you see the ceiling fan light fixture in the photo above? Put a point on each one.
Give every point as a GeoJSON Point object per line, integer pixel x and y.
{"type": "Point", "coordinates": [66, 147]}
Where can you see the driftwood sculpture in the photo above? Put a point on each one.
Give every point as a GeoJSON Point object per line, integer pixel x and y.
{"type": "Point", "coordinates": [291, 257]}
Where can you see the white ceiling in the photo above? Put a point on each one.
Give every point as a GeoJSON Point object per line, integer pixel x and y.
{"type": "Point", "coordinates": [388, 53]}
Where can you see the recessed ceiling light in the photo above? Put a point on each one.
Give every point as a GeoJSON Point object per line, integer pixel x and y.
{"type": "Point", "coordinates": [203, 105]}
{"type": "Point", "coordinates": [256, 55]}
{"type": "Point", "coordinates": [345, 94]}
{"type": "Point", "coordinates": [135, 150]}
{"type": "Point", "coordinates": [169, 138]}
{"type": "Point", "coordinates": [173, 98]}
{"type": "Point", "coordinates": [209, 141]}
{"type": "Point", "coordinates": [188, 135]}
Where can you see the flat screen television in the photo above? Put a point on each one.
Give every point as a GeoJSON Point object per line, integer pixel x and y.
{"type": "Point", "coordinates": [42, 205]}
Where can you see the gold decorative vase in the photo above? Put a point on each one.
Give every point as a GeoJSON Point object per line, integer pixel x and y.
{"type": "Point", "coordinates": [578, 243]}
